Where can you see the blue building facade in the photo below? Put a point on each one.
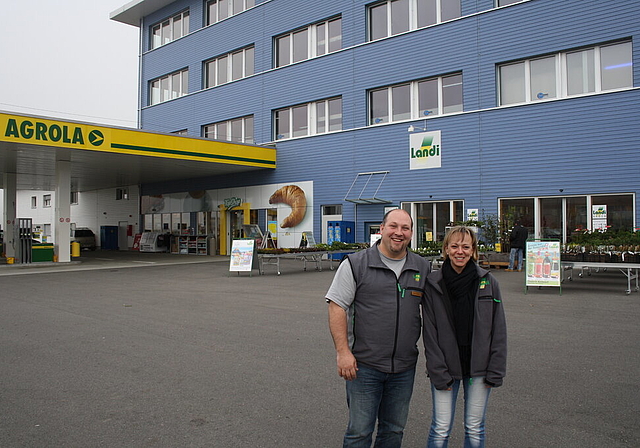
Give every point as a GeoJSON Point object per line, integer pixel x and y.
{"type": "Point", "coordinates": [449, 109]}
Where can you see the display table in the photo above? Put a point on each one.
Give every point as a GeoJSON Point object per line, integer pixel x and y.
{"type": "Point", "coordinates": [306, 257]}
{"type": "Point", "coordinates": [630, 270]}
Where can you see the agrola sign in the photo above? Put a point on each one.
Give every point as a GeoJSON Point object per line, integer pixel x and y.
{"type": "Point", "coordinates": [43, 131]}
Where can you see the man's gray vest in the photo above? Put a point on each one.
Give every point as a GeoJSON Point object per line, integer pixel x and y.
{"type": "Point", "coordinates": [386, 311]}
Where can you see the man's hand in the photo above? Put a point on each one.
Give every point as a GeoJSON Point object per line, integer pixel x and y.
{"type": "Point", "coordinates": [347, 365]}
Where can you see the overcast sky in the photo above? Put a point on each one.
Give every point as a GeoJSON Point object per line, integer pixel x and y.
{"type": "Point", "coordinates": [66, 59]}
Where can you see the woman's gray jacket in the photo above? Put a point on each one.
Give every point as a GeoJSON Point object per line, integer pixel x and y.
{"type": "Point", "coordinates": [489, 344]}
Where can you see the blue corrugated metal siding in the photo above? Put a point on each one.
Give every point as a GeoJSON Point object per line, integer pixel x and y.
{"type": "Point", "coordinates": [584, 145]}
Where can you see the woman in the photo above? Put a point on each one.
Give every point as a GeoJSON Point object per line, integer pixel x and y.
{"type": "Point", "coordinates": [465, 338]}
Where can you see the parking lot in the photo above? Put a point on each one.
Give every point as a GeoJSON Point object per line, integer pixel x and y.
{"type": "Point", "coordinates": [157, 350]}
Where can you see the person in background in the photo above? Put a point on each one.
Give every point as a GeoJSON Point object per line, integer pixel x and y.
{"type": "Point", "coordinates": [517, 241]}
{"type": "Point", "coordinates": [465, 338]}
{"type": "Point", "coordinates": [374, 319]}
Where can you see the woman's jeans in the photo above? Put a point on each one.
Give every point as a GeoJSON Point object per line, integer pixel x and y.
{"type": "Point", "coordinates": [384, 397]}
{"type": "Point", "coordinates": [476, 397]}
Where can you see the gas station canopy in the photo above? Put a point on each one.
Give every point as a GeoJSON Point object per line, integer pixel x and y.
{"type": "Point", "coordinates": [108, 157]}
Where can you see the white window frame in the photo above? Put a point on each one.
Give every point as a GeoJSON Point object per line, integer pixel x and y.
{"type": "Point", "coordinates": [46, 201]}
{"type": "Point", "coordinates": [248, 56]}
{"type": "Point", "coordinates": [413, 17]}
{"type": "Point", "coordinates": [210, 130]}
{"type": "Point", "coordinates": [169, 80]}
{"type": "Point", "coordinates": [156, 41]}
{"type": "Point", "coordinates": [562, 81]}
{"type": "Point", "coordinates": [312, 41]}
{"type": "Point", "coordinates": [229, 4]}
{"type": "Point", "coordinates": [414, 100]}
{"type": "Point", "coordinates": [312, 118]}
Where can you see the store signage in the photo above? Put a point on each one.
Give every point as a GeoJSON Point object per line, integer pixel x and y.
{"type": "Point", "coordinates": [59, 133]}
{"type": "Point", "coordinates": [599, 217]}
{"type": "Point", "coordinates": [543, 263]}
{"type": "Point", "coordinates": [424, 150]}
{"type": "Point", "coordinates": [232, 202]}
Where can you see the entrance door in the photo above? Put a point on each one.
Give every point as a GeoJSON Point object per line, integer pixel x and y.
{"type": "Point", "coordinates": [234, 227]}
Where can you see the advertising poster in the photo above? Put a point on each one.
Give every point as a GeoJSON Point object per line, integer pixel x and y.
{"type": "Point", "coordinates": [599, 217]}
{"type": "Point", "coordinates": [242, 253]}
{"type": "Point", "coordinates": [543, 263]}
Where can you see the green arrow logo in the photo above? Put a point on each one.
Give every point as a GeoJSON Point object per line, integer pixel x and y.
{"type": "Point", "coordinates": [96, 138]}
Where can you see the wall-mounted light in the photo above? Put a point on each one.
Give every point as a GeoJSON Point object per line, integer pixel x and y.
{"type": "Point", "coordinates": [413, 128]}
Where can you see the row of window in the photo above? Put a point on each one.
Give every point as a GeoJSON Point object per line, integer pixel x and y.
{"type": "Point", "coordinates": [595, 69]}
{"type": "Point", "coordinates": [386, 18]}
{"type": "Point", "coordinates": [121, 193]}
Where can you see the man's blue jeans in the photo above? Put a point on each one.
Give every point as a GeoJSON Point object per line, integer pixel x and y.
{"type": "Point", "coordinates": [476, 397]}
{"type": "Point", "coordinates": [512, 258]}
{"type": "Point", "coordinates": [385, 397]}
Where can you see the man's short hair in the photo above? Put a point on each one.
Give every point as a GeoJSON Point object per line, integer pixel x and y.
{"type": "Point", "coordinates": [384, 218]}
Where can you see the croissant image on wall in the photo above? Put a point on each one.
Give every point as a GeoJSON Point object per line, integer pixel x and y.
{"type": "Point", "coordinates": [293, 196]}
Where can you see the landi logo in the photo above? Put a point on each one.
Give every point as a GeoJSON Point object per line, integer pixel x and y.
{"type": "Point", "coordinates": [40, 131]}
{"type": "Point", "coordinates": [424, 150]}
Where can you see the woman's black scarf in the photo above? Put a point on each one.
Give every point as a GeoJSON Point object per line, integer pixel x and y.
{"type": "Point", "coordinates": [462, 289]}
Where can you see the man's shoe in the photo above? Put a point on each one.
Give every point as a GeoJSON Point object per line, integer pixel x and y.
{"type": "Point", "coordinates": [509, 270]}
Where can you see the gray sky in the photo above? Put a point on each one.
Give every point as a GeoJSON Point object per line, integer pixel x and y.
{"type": "Point", "coordinates": [66, 59]}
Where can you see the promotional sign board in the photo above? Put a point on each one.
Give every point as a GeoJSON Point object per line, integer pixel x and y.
{"type": "Point", "coordinates": [543, 263]}
{"type": "Point", "coordinates": [599, 217]}
{"type": "Point", "coordinates": [242, 255]}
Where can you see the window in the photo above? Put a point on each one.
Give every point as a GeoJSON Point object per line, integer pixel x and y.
{"type": "Point", "coordinates": [34, 202]}
{"type": "Point", "coordinates": [74, 198]}
{"type": "Point", "coordinates": [229, 67]}
{"type": "Point", "coordinates": [181, 132]}
{"type": "Point", "coordinates": [218, 10]}
{"type": "Point", "coordinates": [590, 70]}
{"type": "Point", "coordinates": [318, 117]}
{"type": "Point", "coordinates": [416, 99]}
{"type": "Point", "coordinates": [562, 217]}
{"type": "Point", "coordinates": [46, 200]}
{"type": "Point", "coordinates": [312, 41]}
{"type": "Point", "coordinates": [122, 194]}
{"type": "Point", "coordinates": [237, 130]}
{"type": "Point", "coordinates": [398, 16]}
{"type": "Point", "coordinates": [169, 87]}
{"type": "Point", "coordinates": [432, 218]}
{"type": "Point", "coordinates": [169, 30]}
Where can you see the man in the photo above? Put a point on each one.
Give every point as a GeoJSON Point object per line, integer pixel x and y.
{"type": "Point", "coordinates": [374, 319]}
{"type": "Point", "coordinates": [517, 240]}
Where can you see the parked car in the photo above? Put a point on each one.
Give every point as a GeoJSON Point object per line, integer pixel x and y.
{"type": "Point", "coordinates": [85, 237]}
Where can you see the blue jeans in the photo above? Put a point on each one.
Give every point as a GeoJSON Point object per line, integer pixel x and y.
{"type": "Point", "coordinates": [476, 397]}
{"type": "Point", "coordinates": [512, 258]}
{"type": "Point", "coordinates": [384, 397]}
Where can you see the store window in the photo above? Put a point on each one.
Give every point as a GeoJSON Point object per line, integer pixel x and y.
{"type": "Point", "coordinates": [398, 16]}
{"type": "Point", "coordinates": [562, 217]}
{"type": "Point", "coordinates": [169, 87]}
{"type": "Point", "coordinates": [417, 99]}
{"type": "Point", "coordinates": [237, 130]}
{"type": "Point", "coordinates": [169, 30]}
{"type": "Point", "coordinates": [229, 67]}
{"type": "Point", "coordinates": [218, 10]}
{"type": "Point", "coordinates": [308, 42]}
{"type": "Point", "coordinates": [318, 117]}
{"type": "Point", "coordinates": [590, 70]}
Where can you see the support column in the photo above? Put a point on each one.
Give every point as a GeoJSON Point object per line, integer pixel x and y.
{"type": "Point", "coordinates": [9, 224]}
{"type": "Point", "coordinates": [62, 215]}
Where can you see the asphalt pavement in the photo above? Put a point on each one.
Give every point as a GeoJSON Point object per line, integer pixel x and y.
{"type": "Point", "coordinates": [121, 349]}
